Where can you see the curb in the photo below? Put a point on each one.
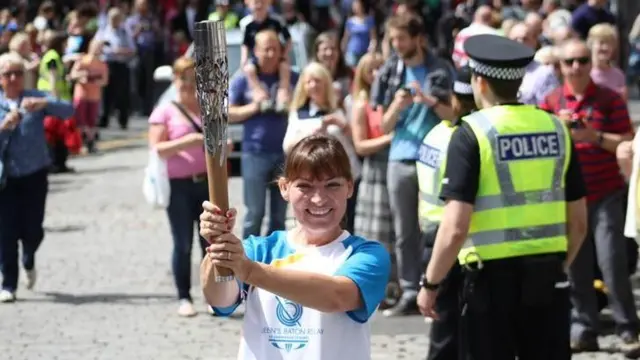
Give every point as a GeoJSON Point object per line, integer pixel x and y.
{"type": "Point", "coordinates": [116, 144]}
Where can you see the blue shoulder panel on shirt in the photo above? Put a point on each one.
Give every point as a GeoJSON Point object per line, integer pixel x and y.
{"type": "Point", "coordinates": [368, 267]}
{"type": "Point", "coordinates": [528, 146]}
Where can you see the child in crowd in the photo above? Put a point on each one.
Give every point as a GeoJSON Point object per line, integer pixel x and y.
{"type": "Point", "coordinates": [258, 20]}
{"type": "Point", "coordinates": [90, 74]}
{"type": "Point", "coordinates": [603, 41]}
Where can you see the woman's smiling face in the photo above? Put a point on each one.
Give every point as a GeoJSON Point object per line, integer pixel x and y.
{"type": "Point", "coordinates": [315, 88]}
{"type": "Point", "coordinates": [318, 204]}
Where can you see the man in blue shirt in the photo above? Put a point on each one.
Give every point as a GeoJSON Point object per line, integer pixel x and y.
{"type": "Point", "coordinates": [414, 87]}
{"type": "Point", "coordinates": [264, 130]}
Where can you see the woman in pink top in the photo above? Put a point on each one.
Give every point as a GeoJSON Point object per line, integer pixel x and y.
{"type": "Point", "coordinates": [603, 41]}
{"type": "Point", "coordinates": [90, 75]}
{"type": "Point", "coordinates": [175, 132]}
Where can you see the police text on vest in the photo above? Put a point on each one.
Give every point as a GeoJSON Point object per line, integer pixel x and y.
{"type": "Point", "coordinates": [528, 146]}
{"type": "Point", "coordinates": [429, 155]}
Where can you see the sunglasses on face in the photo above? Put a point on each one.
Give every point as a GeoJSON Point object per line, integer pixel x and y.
{"type": "Point", "coordinates": [581, 60]}
{"type": "Point", "coordinates": [9, 74]}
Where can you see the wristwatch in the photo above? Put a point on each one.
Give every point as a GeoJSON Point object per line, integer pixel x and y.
{"type": "Point", "coordinates": [424, 283]}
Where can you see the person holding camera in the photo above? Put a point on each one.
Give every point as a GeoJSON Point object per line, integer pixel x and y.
{"type": "Point", "coordinates": [413, 87]}
{"type": "Point", "coordinates": [599, 121]}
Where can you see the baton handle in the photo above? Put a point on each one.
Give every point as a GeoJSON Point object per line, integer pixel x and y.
{"type": "Point", "coordinates": [219, 195]}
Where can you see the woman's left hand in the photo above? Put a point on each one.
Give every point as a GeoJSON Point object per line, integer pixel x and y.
{"type": "Point", "coordinates": [32, 104]}
{"type": "Point", "coordinates": [227, 251]}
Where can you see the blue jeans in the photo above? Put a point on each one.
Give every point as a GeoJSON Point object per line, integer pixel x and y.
{"type": "Point", "coordinates": [259, 174]}
{"type": "Point", "coordinates": [184, 213]}
{"type": "Point", "coordinates": [22, 205]}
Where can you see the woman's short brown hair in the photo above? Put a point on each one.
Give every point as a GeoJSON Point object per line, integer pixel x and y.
{"type": "Point", "coordinates": [183, 64]}
{"type": "Point", "coordinates": [319, 157]}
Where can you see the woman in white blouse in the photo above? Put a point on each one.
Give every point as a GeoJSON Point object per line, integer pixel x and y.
{"type": "Point", "coordinates": [314, 110]}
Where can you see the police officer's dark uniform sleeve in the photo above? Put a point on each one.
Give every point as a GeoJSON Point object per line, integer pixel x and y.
{"type": "Point", "coordinates": [462, 172]}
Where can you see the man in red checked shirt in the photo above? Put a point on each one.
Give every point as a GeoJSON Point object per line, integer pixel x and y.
{"type": "Point", "coordinates": [599, 121]}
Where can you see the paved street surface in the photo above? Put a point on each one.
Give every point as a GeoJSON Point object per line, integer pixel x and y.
{"type": "Point", "coordinates": [105, 289]}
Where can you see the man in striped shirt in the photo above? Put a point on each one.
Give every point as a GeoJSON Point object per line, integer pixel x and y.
{"type": "Point", "coordinates": [481, 25]}
{"type": "Point", "coordinates": [599, 121]}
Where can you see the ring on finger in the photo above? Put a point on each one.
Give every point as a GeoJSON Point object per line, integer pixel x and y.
{"type": "Point", "coordinates": [229, 255]}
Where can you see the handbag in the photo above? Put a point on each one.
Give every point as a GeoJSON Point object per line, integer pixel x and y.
{"type": "Point", "coordinates": [155, 185]}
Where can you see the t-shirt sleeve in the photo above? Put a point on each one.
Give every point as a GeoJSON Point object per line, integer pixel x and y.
{"type": "Point", "coordinates": [236, 90]}
{"type": "Point", "coordinates": [462, 171]}
{"type": "Point", "coordinates": [284, 32]}
{"type": "Point", "coordinates": [368, 267]}
{"type": "Point", "coordinates": [246, 37]}
{"type": "Point", "coordinates": [249, 245]}
{"type": "Point", "coordinates": [160, 115]}
{"type": "Point", "coordinates": [618, 119]}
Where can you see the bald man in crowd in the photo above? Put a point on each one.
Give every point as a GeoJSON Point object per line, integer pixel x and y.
{"type": "Point", "coordinates": [540, 79]}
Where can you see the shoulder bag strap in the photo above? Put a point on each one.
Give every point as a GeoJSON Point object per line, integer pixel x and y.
{"type": "Point", "coordinates": [184, 112]}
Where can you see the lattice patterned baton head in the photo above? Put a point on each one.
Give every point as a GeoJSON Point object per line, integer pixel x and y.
{"type": "Point", "coordinates": [212, 84]}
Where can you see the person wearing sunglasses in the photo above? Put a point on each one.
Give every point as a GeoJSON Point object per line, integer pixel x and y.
{"type": "Point", "coordinates": [25, 161]}
{"type": "Point", "coordinates": [599, 121]}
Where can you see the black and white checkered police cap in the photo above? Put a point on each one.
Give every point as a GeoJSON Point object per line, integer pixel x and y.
{"type": "Point", "coordinates": [462, 84]}
{"type": "Point", "coordinates": [496, 57]}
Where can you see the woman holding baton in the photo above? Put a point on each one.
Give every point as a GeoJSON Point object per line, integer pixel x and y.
{"type": "Point", "coordinates": [309, 291]}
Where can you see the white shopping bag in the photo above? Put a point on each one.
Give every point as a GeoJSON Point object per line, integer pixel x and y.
{"type": "Point", "coordinates": [155, 186]}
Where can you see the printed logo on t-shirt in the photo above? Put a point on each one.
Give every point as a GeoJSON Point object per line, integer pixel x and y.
{"type": "Point", "coordinates": [292, 335]}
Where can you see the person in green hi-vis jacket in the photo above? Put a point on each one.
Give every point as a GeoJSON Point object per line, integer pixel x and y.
{"type": "Point", "coordinates": [222, 13]}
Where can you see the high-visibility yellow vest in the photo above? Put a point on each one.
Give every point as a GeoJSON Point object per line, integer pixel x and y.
{"type": "Point", "coordinates": [231, 20]}
{"type": "Point", "coordinates": [520, 207]}
{"type": "Point", "coordinates": [430, 169]}
{"type": "Point", "coordinates": [62, 86]}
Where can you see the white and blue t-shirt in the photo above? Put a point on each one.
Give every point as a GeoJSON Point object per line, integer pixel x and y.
{"type": "Point", "coordinates": [277, 328]}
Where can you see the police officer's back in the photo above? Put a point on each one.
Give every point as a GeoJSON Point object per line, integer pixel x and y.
{"type": "Point", "coordinates": [515, 215]}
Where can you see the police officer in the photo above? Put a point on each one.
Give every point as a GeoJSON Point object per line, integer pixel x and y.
{"type": "Point", "coordinates": [443, 342]}
{"type": "Point", "coordinates": [514, 216]}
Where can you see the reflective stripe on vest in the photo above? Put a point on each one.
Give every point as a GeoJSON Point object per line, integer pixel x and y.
{"type": "Point", "coordinates": [501, 240]}
{"type": "Point", "coordinates": [430, 169]}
